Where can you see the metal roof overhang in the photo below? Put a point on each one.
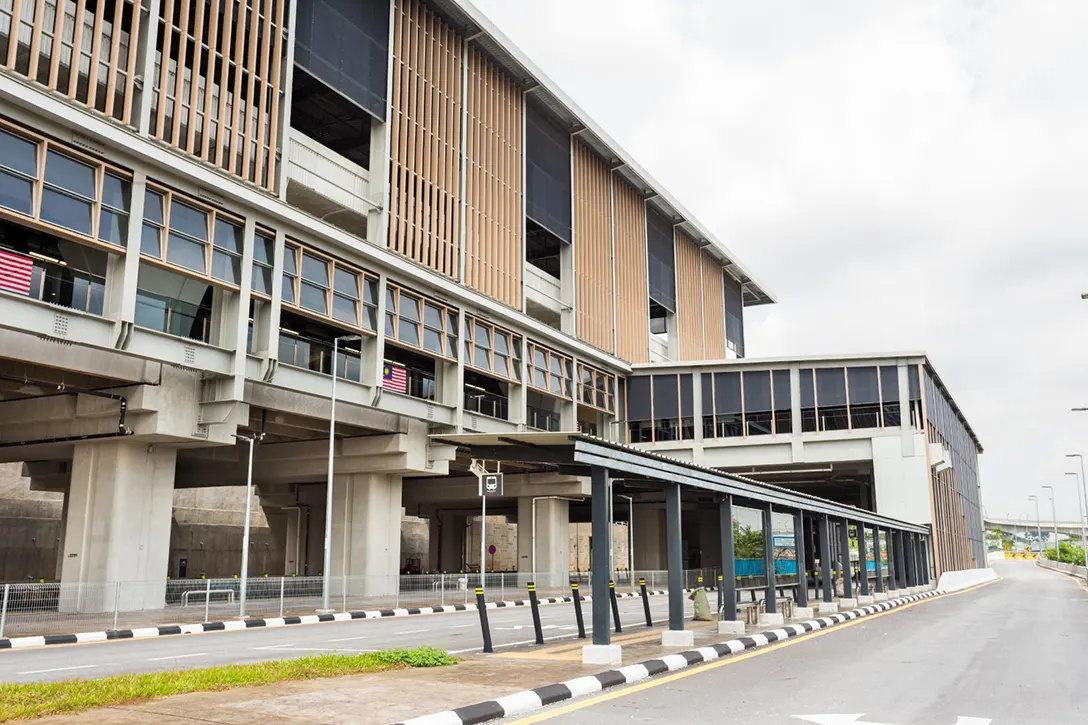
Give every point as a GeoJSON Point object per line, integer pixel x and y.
{"type": "Point", "coordinates": [580, 450]}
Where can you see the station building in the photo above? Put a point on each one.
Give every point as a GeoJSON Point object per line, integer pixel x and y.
{"type": "Point", "coordinates": [200, 200]}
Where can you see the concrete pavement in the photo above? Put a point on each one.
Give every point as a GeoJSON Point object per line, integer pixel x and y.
{"type": "Point", "coordinates": [1012, 652]}
{"type": "Point", "coordinates": [456, 632]}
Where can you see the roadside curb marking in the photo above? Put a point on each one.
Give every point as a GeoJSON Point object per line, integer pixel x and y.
{"type": "Point", "coordinates": [167, 630]}
{"type": "Point", "coordinates": [527, 701]}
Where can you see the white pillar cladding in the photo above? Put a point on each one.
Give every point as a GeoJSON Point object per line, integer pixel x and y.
{"type": "Point", "coordinates": [649, 537]}
{"type": "Point", "coordinates": [366, 533]}
{"type": "Point", "coordinates": [552, 540]}
{"type": "Point", "coordinates": [117, 534]}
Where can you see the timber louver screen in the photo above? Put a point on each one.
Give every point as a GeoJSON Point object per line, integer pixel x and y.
{"type": "Point", "coordinates": [661, 262]}
{"type": "Point", "coordinates": [345, 43]}
{"type": "Point", "coordinates": [547, 173]}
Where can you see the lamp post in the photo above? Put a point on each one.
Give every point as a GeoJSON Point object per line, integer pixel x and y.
{"type": "Point", "coordinates": [1080, 513]}
{"type": "Point", "coordinates": [327, 564]}
{"type": "Point", "coordinates": [1054, 517]}
{"type": "Point", "coordinates": [251, 439]}
{"type": "Point", "coordinates": [1038, 521]}
{"type": "Point", "coordinates": [1084, 496]}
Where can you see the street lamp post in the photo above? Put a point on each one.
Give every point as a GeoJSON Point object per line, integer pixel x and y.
{"type": "Point", "coordinates": [1038, 521]}
{"type": "Point", "coordinates": [1084, 498]}
{"type": "Point", "coordinates": [1054, 516]}
{"type": "Point", "coordinates": [1080, 514]}
{"type": "Point", "coordinates": [251, 439]}
{"type": "Point", "coordinates": [327, 564]}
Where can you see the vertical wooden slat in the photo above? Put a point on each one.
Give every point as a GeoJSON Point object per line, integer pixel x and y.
{"type": "Point", "coordinates": [592, 247]}
{"type": "Point", "coordinates": [226, 50]}
{"type": "Point", "coordinates": [114, 60]}
{"type": "Point", "coordinates": [249, 127]}
{"type": "Point", "coordinates": [453, 148]}
{"type": "Point", "coordinates": [166, 28]}
{"type": "Point", "coordinates": [237, 134]}
{"type": "Point", "coordinates": [632, 295]}
{"type": "Point", "coordinates": [35, 37]}
{"type": "Point", "coordinates": [713, 309]}
{"type": "Point", "coordinates": [13, 34]}
{"type": "Point", "coordinates": [58, 33]}
{"type": "Point", "coordinates": [430, 68]}
{"type": "Point", "coordinates": [412, 200]}
{"type": "Point", "coordinates": [96, 48]}
{"type": "Point", "coordinates": [194, 84]}
{"type": "Point", "coordinates": [688, 297]}
{"type": "Point", "coordinates": [209, 80]}
{"type": "Point", "coordinates": [179, 76]}
{"type": "Point", "coordinates": [130, 73]}
{"type": "Point", "coordinates": [77, 49]}
{"type": "Point", "coordinates": [274, 83]}
{"type": "Point", "coordinates": [394, 127]}
{"type": "Point", "coordinates": [265, 64]}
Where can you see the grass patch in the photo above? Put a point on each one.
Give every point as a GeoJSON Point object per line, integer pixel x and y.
{"type": "Point", "coordinates": [37, 699]}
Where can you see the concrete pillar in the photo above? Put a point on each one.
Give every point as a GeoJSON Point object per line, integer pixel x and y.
{"type": "Point", "coordinates": [117, 532]}
{"type": "Point", "coordinates": [447, 542]}
{"type": "Point", "coordinates": [366, 532]}
{"type": "Point", "coordinates": [649, 537]}
{"type": "Point", "coordinates": [60, 534]}
{"type": "Point", "coordinates": [294, 546]}
{"type": "Point", "coordinates": [552, 540]}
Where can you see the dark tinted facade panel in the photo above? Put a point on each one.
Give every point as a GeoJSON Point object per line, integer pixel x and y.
{"type": "Point", "coordinates": [661, 261]}
{"type": "Point", "coordinates": [345, 43]}
{"type": "Point", "coordinates": [734, 314]}
{"type": "Point", "coordinates": [547, 173]}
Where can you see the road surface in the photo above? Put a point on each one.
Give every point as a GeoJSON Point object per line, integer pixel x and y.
{"type": "Point", "coordinates": [1013, 652]}
{"type": "Point", "coordinates": [455, 631]}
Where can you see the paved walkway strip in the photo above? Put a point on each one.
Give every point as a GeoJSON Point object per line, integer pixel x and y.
{"type": "Point", "coordinates": [527, 701]}
{"type": "Point", "coordinates": [237, 624]}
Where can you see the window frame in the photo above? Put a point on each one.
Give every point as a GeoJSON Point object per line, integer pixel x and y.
{"type": "Point", "coordinates": [445, 313]}
{"type": "Point", "coordinates": [517, 345]}
{"type": "Point", "coordinates": [597, 377]}
{"type": "Point", "coordinates": [44, 145]}
{"type": "Point", "coordinates": [259, 233]}
{"type": "Point", "coordinates": [297, 248]}
{"type": "Point", "coordinates": [566, 363]}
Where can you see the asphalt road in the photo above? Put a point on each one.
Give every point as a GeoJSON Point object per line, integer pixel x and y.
{"type": "Point", "coordinates": [1009, 653]}
{"type": "Point", "coordinates": [454, 631]}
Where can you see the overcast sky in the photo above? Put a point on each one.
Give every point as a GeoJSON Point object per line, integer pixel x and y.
{"type": "Point", "coordinates": [904, 176]}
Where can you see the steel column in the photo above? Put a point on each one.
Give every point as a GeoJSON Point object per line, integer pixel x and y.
{"type": "Point", "coordinates": [770, 597]}
{"type": "Point", "coordinates": [863, 562]}
{"type": "Point", "coordinates": [844, 560]}
{"type": "Point", "coordinates": [675, 556]}
{"type": "Point", "coordinates": [825, 557]}
{"type": "Point", "coordinates": [912, 564]}
{"type": "Point", "coordinates": [878, 564]}
{"type": "Point", "coordinates": [900, 561]}
{"type": "Point", "coordinates": [602, 493]}
{"type": "Point", "coordinates": [802, 566]}
{"type": "Point", "coordinates": [729, 573]}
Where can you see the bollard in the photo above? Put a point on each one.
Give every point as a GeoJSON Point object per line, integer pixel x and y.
{"type": "Point", "coordinates": [481, 605]}
{"type": "Point", "coordinates": [578, 610]}
{"type": "Point", "coordinates": [535, 606]}
{"type": "Point", "coordinates": [615, 605]}
{"type": "Point", "coordinates": [207, 598]}
{"type": "Point", "coordinates": [721, 586]}
{"type": "Point", "coordinates": [645, 602]}
{"type": "Point", "coordinates": [282, 580]}
{"type": "Point", "coordinates": [4, 608]}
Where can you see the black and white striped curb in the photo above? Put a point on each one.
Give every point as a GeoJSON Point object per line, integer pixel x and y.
{"type": "Point", "coordinates": [527, 701]}
{"type": "Point", "coordinates": [167, 630]}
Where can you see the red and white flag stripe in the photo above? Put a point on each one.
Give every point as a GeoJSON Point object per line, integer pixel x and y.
{"type": "Point", "coordinates": [15, 272]}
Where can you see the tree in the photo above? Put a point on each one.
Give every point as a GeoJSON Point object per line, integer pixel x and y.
{"type": "Point", "coordinates": [747, 543]}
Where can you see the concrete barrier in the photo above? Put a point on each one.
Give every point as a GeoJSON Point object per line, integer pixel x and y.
{"type": "Point", "coordinates": [1077, 571]}
{"type": "Point", "coordinates": [952, 581]}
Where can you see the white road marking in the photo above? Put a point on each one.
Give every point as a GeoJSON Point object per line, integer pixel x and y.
{"type": "Point", "coordinates": [346, 639]}
{"type": "Point", "coordinates": [56, 669]}
{"type": "Point", "coordinates": [462, 626]}
{"type": "Point", "coordinates": [177, 657]}
{"type": "Point", "coordinates": [274, 646]}
{"type": "Point", "coordinates": [411, 631]}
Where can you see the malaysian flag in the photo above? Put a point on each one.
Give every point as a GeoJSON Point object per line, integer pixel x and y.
{"type": "Point", "coordinates": [395, 377]}
{"type": "Point", "coordinates": [15, 271]}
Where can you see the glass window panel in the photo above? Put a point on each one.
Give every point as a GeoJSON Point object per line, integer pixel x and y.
{"type": "Point", "coordinates": [150, 312]}
{"type": "Point", "coordinates": [263, 249]}
{"type": "Point", "coordinates": [287, 289]}
{"type": "Point", "coordinates": [502, 346]}
{"type": "Point", "coordinates": [808, 402]}
{"type": "Point", "coordinates": [116, 192]}
{"type": "Point", "coordinates": [185, 253]}
{"type": "Point", "coordinates": [451, 322]}
{"type": "Point", "coordinates": [889, 383]}
{"type": "Point", "coordinates": [150, 240]}
{"type": "Point", "coordinates": [226, 267]}
{"type": "Point", "coordinates": [863, 387]}
{"type": "Point", "coordinates": [370, 291]}
{"type": "Point", "coordinates": [262, 279]}
{"type": "Point", "coordinates": [757, 402]}
{"type": "Point", "coordinates": [408, 331]}
{"type": "Point", "coordinates": [315, 270]}
{"type": "Point", "coordinates": [18, 154]}
{"type": "Point", "coordinates": [480, 358]}
{"type": "Point", "coordinates": [432, 340]}
{"type": "Point", "coordinates": [409, 308]}
{"type": "Point", "coordinates": [290, 261]}
{"type": "Point", "coordinates": [432, 317]}
{"type": "Point", "coordinates": [66, 211]}
{"type": "Point", "coordinates": [666, 397]}
{"type": "Point", "coordinates": [390, 325]}
{"type": "Point", "coordinates": [390, 300]}
{"type": "Point", "coordinates": [312, 297]}
{"type": "Point", "coordinates": [913, 387]}
{"type": "Point", "coordinates": [67, 173]}
{"type": "Point", "coordinates": [16, 193]}
{"type": "Point", "coordinates": [153, 207]}
{"type": "Point", "coordinates": [556, 365]}
{"type": "Point", "coordinates": [228, 236]}
{"type": "Point", "coordinates": [113, 227]}
{"type": "Point", "coordinates": [638, 398]}
{"type": "Point", "coordinates": [345, 309]}
{"type": "Point", "coordinates": [370, 318]}
{"type": "Point", "coordinates": [482, 337]}
{"type": "Point", "coordinates": [451, 346]}
{"type": "Point", "coordinates": [726, 393]}
{"type": "Point", "coordinates": [346, 282]}
{"type": "Point", "coordinates": [186, 219]}
{"type": "Point", "coordinates": [502, 365]}
{"type": "Point", "coordinates": [830, 387]}
{"type": "Point", "coordinates": [687, 395]}
{"type": "Point", "coordinates": [783, 415]}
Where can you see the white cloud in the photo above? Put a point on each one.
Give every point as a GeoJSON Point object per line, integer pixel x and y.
{"type": "Point", "coordinates": [907, 175]}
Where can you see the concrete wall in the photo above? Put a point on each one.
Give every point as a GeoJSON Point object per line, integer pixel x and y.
{"type": "Point", "coordinates": [29, 528]}
{"type": "Point", "coordinates": [901, 477]}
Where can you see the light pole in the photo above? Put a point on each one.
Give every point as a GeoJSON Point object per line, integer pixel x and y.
{"type": "Point", "coordinates": [1054, 516]}
{"type": "Point", "coordinates": [1080, 514]}
{"type": "Point", "coordinates": [327, 564]}
{"type": "Point", "coordinates": [1084, 498]}
{"type": "Point", "coordinates": [1038, 521]}
{"type": "Point", "coordinates": [251, 439]}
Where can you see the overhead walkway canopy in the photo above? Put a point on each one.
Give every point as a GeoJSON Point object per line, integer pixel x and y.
{"type": "Point", "coordinates": [604, 462]}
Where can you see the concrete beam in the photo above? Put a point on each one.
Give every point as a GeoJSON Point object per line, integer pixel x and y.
{"type": "Point", "coordinates": [420, 492]}
{"type": "Point", "coordinates": [263, 395]}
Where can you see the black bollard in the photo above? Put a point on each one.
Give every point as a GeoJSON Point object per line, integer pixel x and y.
{"type": "Point", "coordinates": [535, 606]}
{"type": "Point", "coordinates": [578, 610]}
{"type": "Point", "coordinates": [481, 605]}
{"type": "Point", "coordinates": [615, 605]}
{"type": "Point", "coordinates": [645, 602]}
{"type": "Point", "coordinates": [721, 587]}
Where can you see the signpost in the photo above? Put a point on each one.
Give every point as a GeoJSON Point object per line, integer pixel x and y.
{"type": "Point", "coordinates": [490, 485]}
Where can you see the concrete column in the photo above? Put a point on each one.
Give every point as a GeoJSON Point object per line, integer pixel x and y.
{"type": "Point", "coordinates": [119, 509]}
{"type": "Point", "coordinates": [60, 537]}
{"type": "Point", "coordinates": [366, 532]}
{"type": "Point", "coordinates": [649, 537]}
{"type": "Point", "coordinates": [294, 546]}
{"type": "Point", "coordinates": [552, 540]}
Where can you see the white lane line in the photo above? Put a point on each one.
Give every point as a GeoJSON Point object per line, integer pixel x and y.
{"type": "Point", "coordinates": [462, 626]}
{"type": "Point", "coordinates": [56, 669]}
{"type": "Point", "coordinates": [274, 646]}
{"type": "Point", "coordinates": [411, 631]}
{"type": "Point", "coordinates": [347, 639]}
{"type": "Point", "coordinates": [178, 657]}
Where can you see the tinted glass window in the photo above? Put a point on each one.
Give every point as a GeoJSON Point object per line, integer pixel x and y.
{"type": "Point", "coordinates": [863, 387]}
{"type": "Point", "coordinates": [185, 218]}
{"type": "Point", "coordinates": [69, 174]}
{"type": "Point", "coordinates": [660, 260]}
{"type": "Point", "coordinates": [18, 154]}
{"type": "Point", "coordinates": [726, 393]}
{"type": "Point", "coordinates": [16, 193]}
{"type": "Point", "coordinates": [66, 211]}
{"type": "Point", "coordinates": [115, 192]}
{"type": "Point", "coordinates": [547, 173]}
{"type": "Point", "coordinates": [830, 387]}
{"type": "Point", "coordinates": [638, 398]}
